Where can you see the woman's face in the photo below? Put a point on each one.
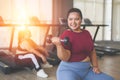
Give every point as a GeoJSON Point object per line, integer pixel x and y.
{"type": "Point", "coordinates": [74, 21]}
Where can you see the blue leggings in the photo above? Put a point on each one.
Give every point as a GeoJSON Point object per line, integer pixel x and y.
{"type": "Point", "coordinates": [79, 71]}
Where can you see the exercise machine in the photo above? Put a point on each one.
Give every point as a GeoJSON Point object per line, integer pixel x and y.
{"type": "Point", "coordinates": [107, 48]}
{"type": "Point", "coordinates": [9, 63]}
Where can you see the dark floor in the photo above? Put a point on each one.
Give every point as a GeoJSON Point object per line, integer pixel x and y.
{"type": "Point", "coordinates": [108, 64]}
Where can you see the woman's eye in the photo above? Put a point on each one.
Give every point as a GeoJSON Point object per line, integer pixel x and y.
{"type": "Point", "coordinates": [70, 19]}
{"type": "Point", "coordinates": [77, 18]}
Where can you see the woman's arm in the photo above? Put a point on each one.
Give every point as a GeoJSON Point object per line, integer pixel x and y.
{"type": "Point", "coordinates": [62, 53]}
{"type": "Point", "coordinates": [43, 50]}
{"type": "Point", "coordinates": [43, 57]}
{"type": "Point", "coordinates": [40, 48]}
{"type": "Point", "coordinates": [93, 58]}
{"type": "Point", "coordinates": [29, 48]}
{"type": "Point", "coordinates": [94, 61]}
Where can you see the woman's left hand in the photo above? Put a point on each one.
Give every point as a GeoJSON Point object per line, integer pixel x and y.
{"type": "Point", "coordinates": [96, 70]}
{"type": "Point", "coordinates": [43, 51]}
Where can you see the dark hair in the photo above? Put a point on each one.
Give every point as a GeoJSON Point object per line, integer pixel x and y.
{"type": "Point", "coordinates": [75, 10]}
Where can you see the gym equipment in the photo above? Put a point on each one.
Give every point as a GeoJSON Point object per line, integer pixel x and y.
{"type": "Point", "coordinates": [53, 59]}
{"type": "Point", "coordinates": [102, 50]}
{"type": "Point", "coordinates": [5, 68]}
{"type": "Point", "coordinates": [8, 62]}
{"type": "Point", "coordinates": [87, 21]}
{"type": "Point", "coordinates": [65, 40]}
{"type": "Point", "coordinates": [109, 51]}
{"type": "Point", "coordinates": [99, 54]}
{"type": "Point", "coordinates": [106, 48]}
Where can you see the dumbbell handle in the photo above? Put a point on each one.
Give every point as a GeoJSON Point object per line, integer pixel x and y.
{"type": "Point", "coordinates": [65, 40]}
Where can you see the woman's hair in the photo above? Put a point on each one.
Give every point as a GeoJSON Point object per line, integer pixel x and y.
{"type": "Point", "coordinates": [21, 35]}
{"type": "Point", "coordinates": [75, 10]}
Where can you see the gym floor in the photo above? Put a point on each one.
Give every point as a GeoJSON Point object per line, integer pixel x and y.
{"type": "Point", "coordinates": [108, 64]}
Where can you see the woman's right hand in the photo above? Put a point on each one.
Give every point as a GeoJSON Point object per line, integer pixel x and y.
{"type": "Point", "coordinates": [62, 53]}
{"type": "Point", "coordinates": [96, 70]}
{"type": "Point", "coordinates": [56, 41]}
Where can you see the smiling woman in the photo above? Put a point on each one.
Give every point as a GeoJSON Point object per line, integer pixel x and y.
{"type": "Point", "coordinates": [78, 58]}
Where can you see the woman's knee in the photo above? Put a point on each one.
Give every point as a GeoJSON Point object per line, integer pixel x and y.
{"type": "Point", "coordinates": [105, 77]}
{"type": "Point", "coordinates": [67, 75]}
{"type": "Point", "coordinates": [100, 76]}
{"type": "Point", "coordinates": [31, 55]}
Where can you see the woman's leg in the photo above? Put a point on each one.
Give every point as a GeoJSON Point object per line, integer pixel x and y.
{"type": "Point", "coordinates": [32, 57]}
{"type": "Point", "coordinates": [44, 65]}
{"type": "Point", "coordinates": [93, 76]}
{"type": "Point", "coordinates": [67, 75]}
{"type": "Point", "coordinates": [40, 71]}
{"type": "Point", "coordinates": [72, 70]}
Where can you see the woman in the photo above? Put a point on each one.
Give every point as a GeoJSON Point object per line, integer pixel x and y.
{"type": "Point", "coordinates": [79, 60]}
{"type": "Point", "coordinates": [29, 50]}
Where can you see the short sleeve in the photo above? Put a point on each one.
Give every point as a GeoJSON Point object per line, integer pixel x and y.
{"type": "Point", "coordinates": [91, 40]}
{"type": "Point", "coordinates": [63, 36]}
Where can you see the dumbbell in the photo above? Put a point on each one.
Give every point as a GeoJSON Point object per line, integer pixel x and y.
{"type": "Point", "coordinates": [65, 40]}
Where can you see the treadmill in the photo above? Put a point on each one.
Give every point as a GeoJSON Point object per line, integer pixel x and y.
{"type": "Point", "coordinates": [105, 48]}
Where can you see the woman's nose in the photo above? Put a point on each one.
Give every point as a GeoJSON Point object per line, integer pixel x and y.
{"type": "Point", "coordinates": [73, 22]}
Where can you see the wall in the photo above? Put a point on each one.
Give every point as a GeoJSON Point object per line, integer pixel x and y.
{"type": "Point", "coordinates": [60, 9]}
{"type": "Point", "coordinates": [107, 19]}
{"type": "Point", "coordinates": [116, 20]}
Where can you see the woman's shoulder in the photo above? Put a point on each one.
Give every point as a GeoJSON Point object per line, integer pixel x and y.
{"type": "Point", "coordinates": [85, 31]}
{"type": "Point", "coordinates": [29, 41]}
{"type": "Point", "coordinates": [67, 31]}
{"type": "Point", "coordinates": [24, 43]}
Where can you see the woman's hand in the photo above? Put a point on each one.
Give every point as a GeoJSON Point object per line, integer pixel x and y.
{"type": "Point", "coordinates": [62, 53]}
{"type": "Point", "coordinates": [43, 58]}
{"type": "Point", "coordinates": [56, 41]}
{"type": "Point", "coordinates": [43, 51]}
{"type": "Point", "coordinates": [96, 70]}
